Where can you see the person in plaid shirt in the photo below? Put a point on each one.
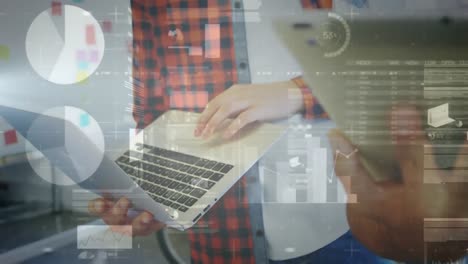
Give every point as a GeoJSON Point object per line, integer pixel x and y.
{"type": "Point", "coordinates": [166, 77]}
{"type": "Point", "coordinates": [180, 62]}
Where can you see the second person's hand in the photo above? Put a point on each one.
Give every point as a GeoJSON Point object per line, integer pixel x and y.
{"type": "Point", "coordinates": [248, 104]}
{"type": "Point", "coordinates": [115, 214]}
{"type": "Point", "coordinates": [388, 217]}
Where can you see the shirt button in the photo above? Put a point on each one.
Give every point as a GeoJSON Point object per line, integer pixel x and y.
{"type": "Point", "coordinates": [243, 65]}
{"type": "Point", "coordinates": [259, 233]}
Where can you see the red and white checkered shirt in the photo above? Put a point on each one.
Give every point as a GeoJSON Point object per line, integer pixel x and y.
{"type": "Point", "coordinates": [167, 76]}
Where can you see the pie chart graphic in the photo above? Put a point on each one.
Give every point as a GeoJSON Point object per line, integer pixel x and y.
{"type": "Point", "coordinates": [65, 48]}
{"type": "Point", "coordinates": [72, 142]}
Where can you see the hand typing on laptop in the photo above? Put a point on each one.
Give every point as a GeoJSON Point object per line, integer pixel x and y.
{"type": "Point", "coordinates": [246, 104]}
{"type": "Point", "coordinates": [389, 217]}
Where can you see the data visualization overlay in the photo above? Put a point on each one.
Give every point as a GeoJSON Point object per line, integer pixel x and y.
{"type": "Point", "coordinates": [71, 140]}
{"type": "Point", "coordinates": [103, 237]}
{"type": "Point", "coordinates": [66, 48]}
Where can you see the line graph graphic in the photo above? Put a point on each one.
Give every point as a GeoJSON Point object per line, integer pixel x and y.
{"type": "Point", "coordinates": [103, 237]}
{"type": "Point", "coordinates": [345, 179]}
{"type": "Point", "coordinates": [338, 154]}
{"type": "Point", "coordinates": [347, 156]}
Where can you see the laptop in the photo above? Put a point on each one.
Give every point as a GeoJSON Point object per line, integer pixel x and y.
{"type": "Point", "coordinates": [362, 67]}
{"type": "Point", "coordinates": [166, 170]}
{"type": "Point", "coordinates": [439, 116]}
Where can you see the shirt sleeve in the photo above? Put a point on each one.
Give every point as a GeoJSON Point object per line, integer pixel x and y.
{"type": "Point", "coordinates": [312, 108]}
{"type": "Point", "coordinates": [149, 98]}
{"type": "Point", "coordinates": [314, 4]}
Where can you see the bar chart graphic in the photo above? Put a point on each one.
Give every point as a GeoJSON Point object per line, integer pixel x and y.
{"type": "Point", "coordinates": [300, 175]}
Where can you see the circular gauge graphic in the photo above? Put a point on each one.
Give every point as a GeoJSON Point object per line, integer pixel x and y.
{"type": "Point", "coordinates": [334, 36]}
{"type": "Point", "coordinates": [65, 48]}
{"type": "Point", "coordinates": [65, 145]}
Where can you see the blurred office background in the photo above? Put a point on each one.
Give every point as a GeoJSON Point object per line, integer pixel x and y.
{"type": "Point", "coordinates": [38, 220]}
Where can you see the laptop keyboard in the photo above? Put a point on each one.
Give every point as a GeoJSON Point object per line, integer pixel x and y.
{"type": "Point", "coordinates": [172, 178]}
